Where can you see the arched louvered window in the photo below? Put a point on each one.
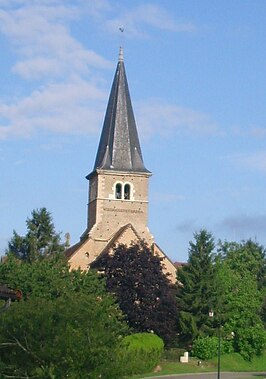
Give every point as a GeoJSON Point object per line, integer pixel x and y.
{"type": "Point", "coordinates": [127, 192]}
{"type": "Point", "coordinates": [118, 191]}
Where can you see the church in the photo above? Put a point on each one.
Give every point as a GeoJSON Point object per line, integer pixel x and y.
{"type": "Point", "coordinates": [118, 185]}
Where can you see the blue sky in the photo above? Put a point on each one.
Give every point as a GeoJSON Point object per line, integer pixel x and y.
{"type": "Point", "coordinates": [197, 77]}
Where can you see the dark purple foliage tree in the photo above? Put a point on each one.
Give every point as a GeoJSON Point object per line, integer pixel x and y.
{"type": "Point", "coordinates": [144, 293]}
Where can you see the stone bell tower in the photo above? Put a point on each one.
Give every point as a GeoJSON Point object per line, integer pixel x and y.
{"type": "Point", "coordinates": [118, 184]}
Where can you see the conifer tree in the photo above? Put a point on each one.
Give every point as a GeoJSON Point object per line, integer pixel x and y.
{"type": "Point", "coordinates": [41, 239]}
{"type": "Point", "coordinates": [196, 291]}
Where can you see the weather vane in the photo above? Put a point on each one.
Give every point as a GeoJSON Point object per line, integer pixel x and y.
{"type": "Point", "coordinates": [121, 29]}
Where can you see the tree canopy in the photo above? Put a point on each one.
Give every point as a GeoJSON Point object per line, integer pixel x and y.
{"type": "Point", "coordinates": [241, 287]}
{"type": "Point", "coordinates": [67, 325]}
{"type": "Point", "coordinates": [144, 293]}
{"type": "Point", "coordinates": [230, 282]}
{"type": "Point", "coordinates": [41, 240]}
{"type": "Point", "coordinates": [228, 278]}
{"type": "Point", "coordinates": [196, 295]}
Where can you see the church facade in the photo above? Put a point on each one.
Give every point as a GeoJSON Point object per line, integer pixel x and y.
{"type": "Point", "coordinates": [118, 185]}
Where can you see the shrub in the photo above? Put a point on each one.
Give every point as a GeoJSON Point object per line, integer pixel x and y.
{"type": "Point", "coordinates": [141, 352]}
{"type": "Point", "coordinates": [207, 347]}
{"type": "Point", "coordinates": [251, 341]}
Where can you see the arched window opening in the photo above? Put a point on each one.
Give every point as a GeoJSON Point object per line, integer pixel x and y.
{"type": "Point", "coordinates": [118, 191]}
{"type": "Point", "coordinates": [127, 192]}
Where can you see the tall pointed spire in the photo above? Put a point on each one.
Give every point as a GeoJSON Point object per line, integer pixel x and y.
{"type": "Point", "coordinates": [121, 55]}
{"type": "Point", "coordinates": [119, 147]}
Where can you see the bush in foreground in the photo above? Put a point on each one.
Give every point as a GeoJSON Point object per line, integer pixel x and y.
{"type": "Point", "coordinates": [207, 347]}
{"type": "Point", "coordinates": [141, 352]}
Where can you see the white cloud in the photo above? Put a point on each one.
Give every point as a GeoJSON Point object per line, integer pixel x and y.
{"type": "Point", "coordinates": [155, 117]}
{"type": "Point", "coordinates": [255, 161]}
{"type": "Point", "coordinates": [97, 8]}
{"type": "Point", "coordinates": [38, 67]}
{"type": "Point", "coordinates": [73, 61]}
{"type": "Point", "coordinates": [41, 38]}
{"type": "Point", "coordinates": [72, 107]}
{"type": "Point", "coordinates": [136, 19]}
{"type": "Point", "coordinates": [68, 97]}
{"type": "Point", "coordinates": [158, 17]}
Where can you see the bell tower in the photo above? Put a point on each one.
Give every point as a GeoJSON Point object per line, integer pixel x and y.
{"type": "Point", "coordinates": [118, 189]}
{"type": "Point", "coordinates": [118, 184]}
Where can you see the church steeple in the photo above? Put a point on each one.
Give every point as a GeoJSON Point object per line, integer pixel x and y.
{"type": "Point", "coordinates": [119, 147]}
{"type": "Point", "coordinates": [118, 197]}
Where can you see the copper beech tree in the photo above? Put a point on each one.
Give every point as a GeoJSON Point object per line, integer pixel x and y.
{"type": "Point", "coordinates": [144, 293]}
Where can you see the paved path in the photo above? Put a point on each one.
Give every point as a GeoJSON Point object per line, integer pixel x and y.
{"type": "Point", "coordinates": [213, 375]}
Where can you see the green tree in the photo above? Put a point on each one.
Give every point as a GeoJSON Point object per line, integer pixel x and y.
{"type": "Point", "coordinates": [65, 326]}
{"type": "Point", "coordinates": [48, 278]}
{"type": "Point", "coordinates": [144, 293]}
{"type": "Point", "coordinates": [196, 294]}
{"type": "Point", "coordinates": [41, 240]}
{"type": "Point", "coordinates": [67, 337]}
{"type": "Point", "coordinates": [241, 289]}
{"type": "Point", "coordinates": [245, 256]}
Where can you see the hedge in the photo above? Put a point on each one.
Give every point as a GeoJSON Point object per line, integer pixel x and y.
{"type": "Point", "coordinates": [141, 352]}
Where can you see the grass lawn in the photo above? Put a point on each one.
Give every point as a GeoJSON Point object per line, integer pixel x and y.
{"type": "Point", "coordinates": [230, 362]}
{"type": "Point", "coordinates": [234, 362]}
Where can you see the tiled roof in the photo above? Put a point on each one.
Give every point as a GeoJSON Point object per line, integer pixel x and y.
{"type": "Point", "coordinates": [180, 264]}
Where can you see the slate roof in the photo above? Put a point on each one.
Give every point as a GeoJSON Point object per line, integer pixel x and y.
{"type": "Point", "coordinates": [119, 147]}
